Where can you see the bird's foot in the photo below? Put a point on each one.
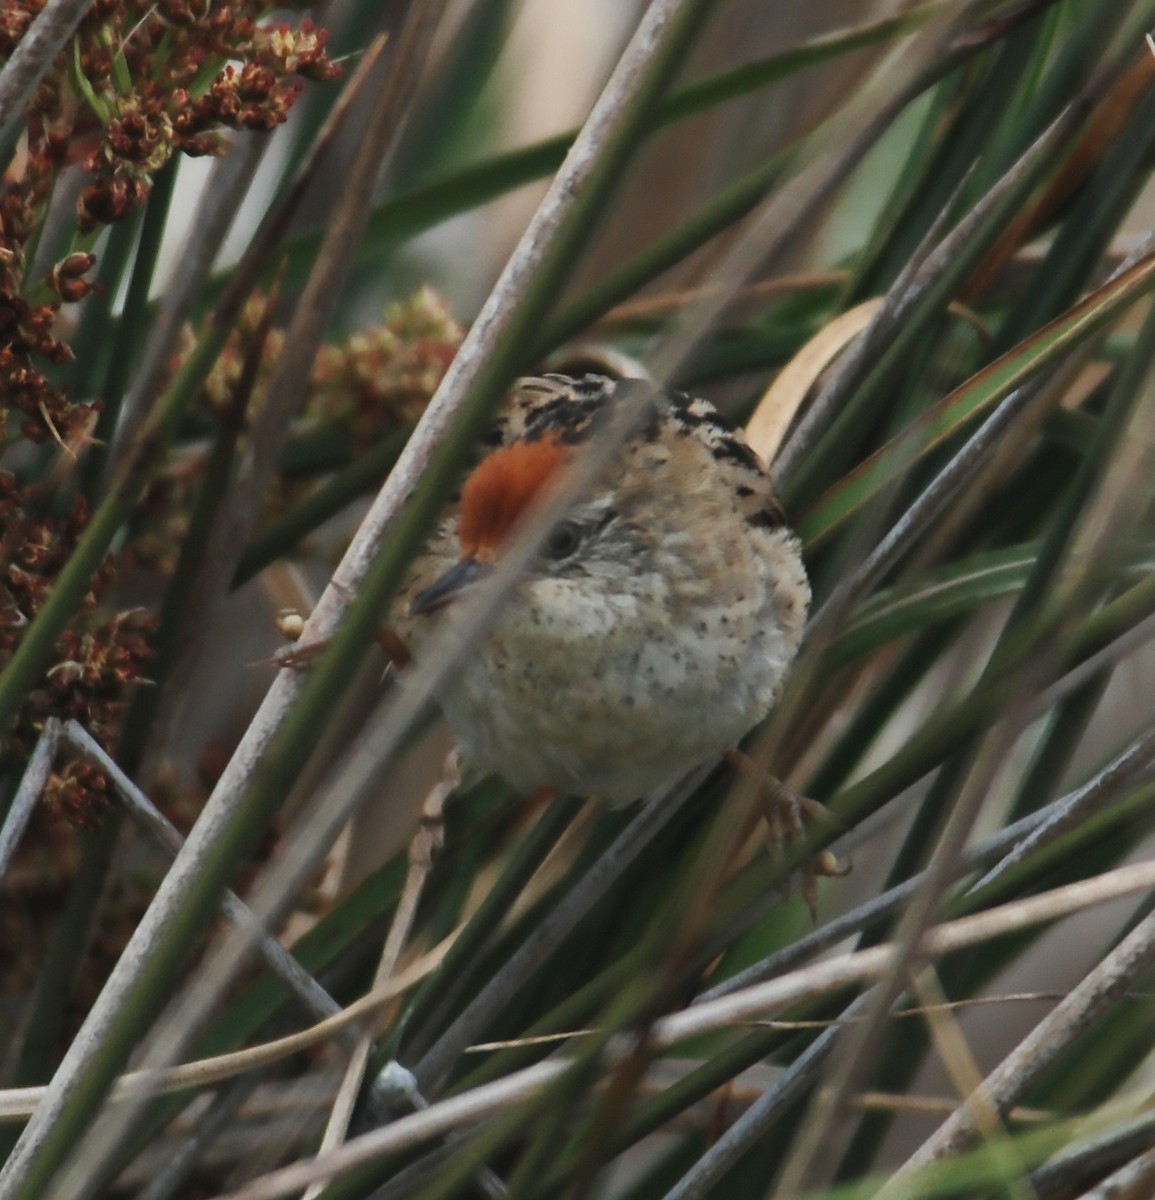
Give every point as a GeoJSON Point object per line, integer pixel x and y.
{"type": "Point", "coordinates": [788, 815]}
{"type": "Point", "coordinates": [302, 656]}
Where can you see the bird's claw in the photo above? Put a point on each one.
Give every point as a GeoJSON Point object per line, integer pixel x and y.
{"type": "Point", "coordinates": [787, 815]}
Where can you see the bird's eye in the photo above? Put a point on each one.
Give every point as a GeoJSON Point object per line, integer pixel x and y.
{"type": "Point", "coordinates": [564, 538]}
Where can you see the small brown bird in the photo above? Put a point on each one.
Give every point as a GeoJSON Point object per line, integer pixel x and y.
{"type": "Point", "coordinates": [656, 625]}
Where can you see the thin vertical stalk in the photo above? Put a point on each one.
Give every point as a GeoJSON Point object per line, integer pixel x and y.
{"type": "Point", "coordinates": [54, 25]}
{"type": "Point", "coordinates": [132, 323]}
{"type": "Point", "coordinates": [31, 785]}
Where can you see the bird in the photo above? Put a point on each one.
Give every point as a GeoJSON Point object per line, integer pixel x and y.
{"type": "Point", "coordinates": [656, 624]}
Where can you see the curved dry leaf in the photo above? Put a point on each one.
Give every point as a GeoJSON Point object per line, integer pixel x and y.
{"type": "Point", "coordinates": [783, 398]}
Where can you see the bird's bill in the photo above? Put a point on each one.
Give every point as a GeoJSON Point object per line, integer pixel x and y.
{"type": "Point", "coordinates": [446, 589]}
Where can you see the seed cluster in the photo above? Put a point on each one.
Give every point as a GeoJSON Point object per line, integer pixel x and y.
{"type": "Point", "coordinates": [137, 84]}
{"type": "Point", "coordinates": [98, 658]}
{"type": "Point", "coordinates": [373, 383]}
{"type": "Point", "coordinates": [380, 379]}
